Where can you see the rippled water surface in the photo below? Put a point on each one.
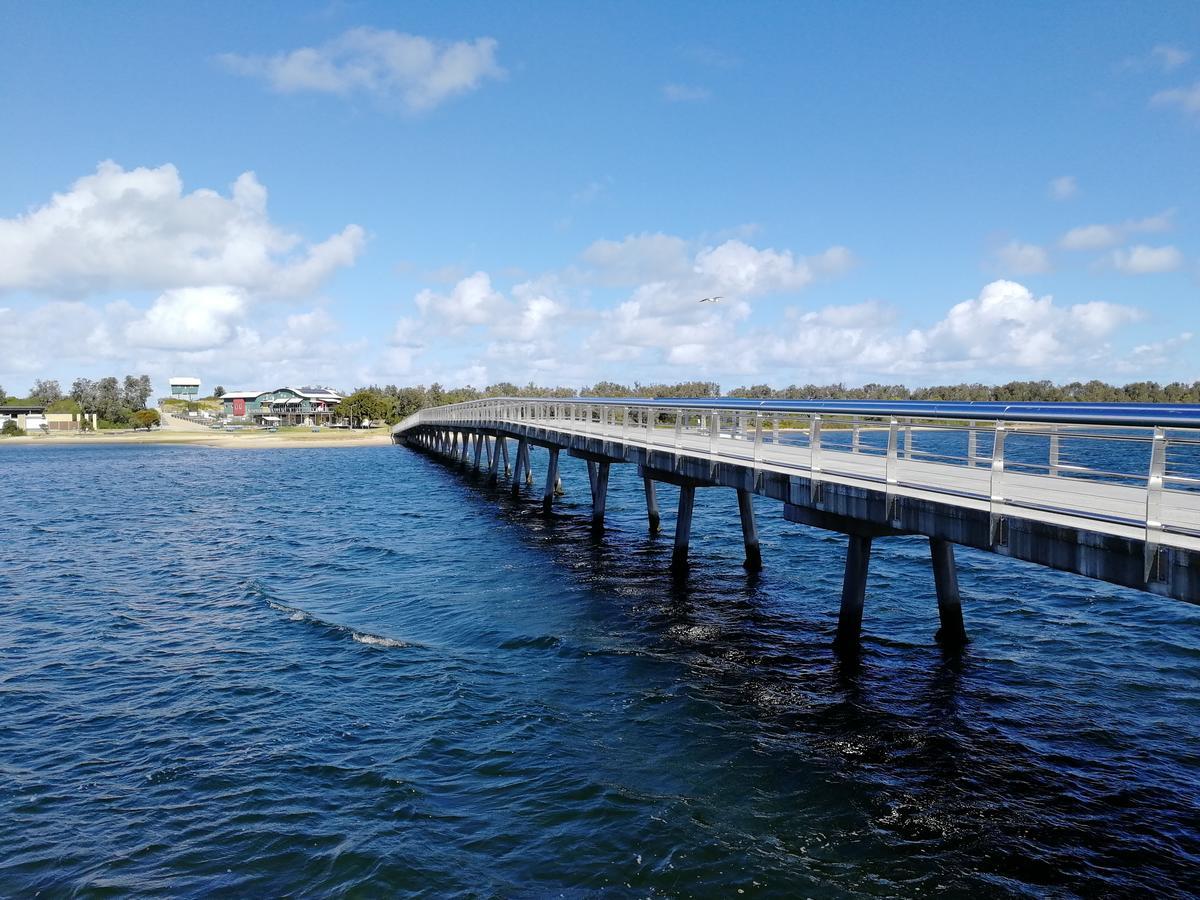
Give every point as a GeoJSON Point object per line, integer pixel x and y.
{"type": "Point", "coordinates": [322, 671]}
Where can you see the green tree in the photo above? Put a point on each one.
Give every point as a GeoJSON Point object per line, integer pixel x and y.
{"type": "Point", "coordinates": [145, 418]}
{"type": "Point", "coordinates": [219, 391]}
{"type": "Point", "coordinates": [12, 429]}
{"type": "Point", "coordinates": [365, 403]}
{"type": "Point", "coordinates": [45, 392]}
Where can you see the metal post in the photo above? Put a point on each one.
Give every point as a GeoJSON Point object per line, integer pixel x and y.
{"type": "Point", "coordinates": [651, 505]}
{"type": "Point", "coordinates": [951, 634]}
{"type": "Point", "coordinates": [814, 458]}
{"type": "Point", "coordinates": [749, 531]}
{"type": "Point", "coordinates": [1154, 492]}
{"type": "Point", "coordinates": [972, 444]}
{"type": "Point", "coordinates": [714, 433]}
{"type": "Point", "coordinates": [683, 527]}
{"type": "Point", "coordinates": [996, 490]}
{"type": "Point", "coordinates": [855, 435]}
{"type": "Point", "coordinates": [551, 480]}
{"type": "Point", "coordinates": [890, 467]}
{"type": "Point", "coordinates": [854, 591]}
{"type": "Point", "coordinates": [1054, 450]}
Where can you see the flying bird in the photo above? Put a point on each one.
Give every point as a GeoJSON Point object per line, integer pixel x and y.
{"type": "Point", "coordinates": [710, 299]}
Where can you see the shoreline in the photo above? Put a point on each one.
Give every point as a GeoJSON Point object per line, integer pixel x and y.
{"type": "Point", "coordinates": [216, 441]}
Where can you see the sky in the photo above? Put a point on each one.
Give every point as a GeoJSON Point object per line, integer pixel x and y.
{"type": "Point", "coordinates": [350, 193]}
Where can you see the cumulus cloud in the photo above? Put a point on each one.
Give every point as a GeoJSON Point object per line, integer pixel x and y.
{"type": "Point", "coordinates": [1016, 258]}
{"type": "Point", "coordinates": [136, 229]}
{"type": "Point", "coordinates": [1143, 260]}
{"type": "Point", "coordinates": [188, 319]}
{"type": "Point", "coordinates": [684, 93]}
{"type": "Point", "coordinates": [1099, 237]}
{"type": "Point", "coordinates": [471, 302]}
{"type": "Point", "coordinates": [417, 72]}
{"type": "Point", "coordinates": [1186, 99]}
{"type": "Point", "coordinates": [1063, 188]}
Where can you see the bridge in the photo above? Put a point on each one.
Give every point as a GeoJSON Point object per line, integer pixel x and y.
{"type": "Point", "coordinates": [1107, 491]}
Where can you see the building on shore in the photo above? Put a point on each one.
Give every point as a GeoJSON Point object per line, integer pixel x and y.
{"type": "Point", "coordinates": [34, 418]}
{"type": "Point", "coordinates": [184, 388]}
{"type": "Point", "coordinates": [284, 406]}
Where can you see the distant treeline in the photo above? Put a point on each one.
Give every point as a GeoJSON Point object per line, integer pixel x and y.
{"type": "Point", "coordinates": [113, 401]}
{"type": "Point", "coordinates": [394, 403]}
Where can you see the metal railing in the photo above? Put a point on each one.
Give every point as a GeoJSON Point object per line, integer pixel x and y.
{"type": "Point", "coordinates": [1126, 469]}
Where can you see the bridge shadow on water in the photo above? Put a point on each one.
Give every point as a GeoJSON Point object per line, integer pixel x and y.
{"type": "Point", "coordinates": [915, 750]}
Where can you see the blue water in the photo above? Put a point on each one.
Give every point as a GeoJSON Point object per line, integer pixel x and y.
{"type": "Point", "coordinates": [324, 671]}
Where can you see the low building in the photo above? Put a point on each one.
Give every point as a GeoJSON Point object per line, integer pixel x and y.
{"type": "Point", "coordinates": [34, 418]}
{"type": "Point", "coordinates": [284, 406]}
{"type": "Point", "coordinates": [184, 388]}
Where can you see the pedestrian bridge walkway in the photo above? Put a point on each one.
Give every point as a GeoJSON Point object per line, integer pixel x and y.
{"type": "Point", "coordinates": [1103, 490]}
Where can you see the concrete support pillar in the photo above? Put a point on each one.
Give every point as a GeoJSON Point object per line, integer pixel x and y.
{"type": "Point", "coordinates": [466, 446]}
{"type": "Point", "coordinates": [599, 494]}
{"type": "Point", "coordinates": [520, 465]}
{"type": "Point", "coordinates": [478, 449]}
{"type": "Point", "coordinates": [651, 505]}
{"type": "Point", "coordinates": [683, 527]}
{"type": "Point", "coordinates": [494, 460]}
{"type": "Point", "coordinates": [591, 467]}
{"type": "Point", "coordinates": [854, 591]}
{"type": "Point", "coordinates": [528, 468]}
{"type": "Point", "coordinates": [749, 531]}
{"type": "Point", "coordinates": [551, 481]}
{"type": "Point", "coordinates": [504, 453]}
{"type": "Point", "coordinates": [951, 634]}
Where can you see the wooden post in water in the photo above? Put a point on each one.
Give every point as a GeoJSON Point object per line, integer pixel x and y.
{"type": "Point", "coordinates": [753, 560]}
{"type": "Point", "coordinates": [551, 480]}
{"type": "Point", "coordinates": [854, 591]}
{"type": "Point", "coordinates": [651, 505]}
{"type": "Point", "coordinates": [683, 528]}
{"type": "Point", "coordinates": [951, 634]}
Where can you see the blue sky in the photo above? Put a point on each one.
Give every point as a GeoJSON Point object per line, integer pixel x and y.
{"type": "Point", "coordinates": [476, 192]}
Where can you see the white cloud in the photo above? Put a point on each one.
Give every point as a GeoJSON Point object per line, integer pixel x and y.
{"type": "Point", "coordinates": [189, 319]}
{"type": "Point", "coordinates": [1098, 237]}
{"type": "Point", "coordinates": [1063, 188]}
{"type": "Point", "coordinates": [684, 93]}
{"type": "Point", "coordinates": [1143, 260]}
{"type": "Point", "coordinates": [1016, 258]}
{"type": "Point", "coordinates": [137, 229]}
{"type": "Point", "coordinates": [471, 302]}
{"type": "Point", "coordinates": [1170, 57]}
{"type": "Point", "coordinates": [1186, 99]}
{"type": "Point", "coordinates": [638, 258]}
{"type": "Point", "coordinates": [415, 71]}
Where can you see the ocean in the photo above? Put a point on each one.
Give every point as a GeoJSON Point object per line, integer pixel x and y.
{"type": "Point", "coordinates": [356, 671]}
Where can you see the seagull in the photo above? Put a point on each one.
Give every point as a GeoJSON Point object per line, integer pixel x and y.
{"type": "Point", "coordinates": [710, 299]}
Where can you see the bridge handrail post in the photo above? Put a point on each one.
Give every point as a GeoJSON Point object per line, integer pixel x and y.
{"type": "Point", "coordinates": [714, 433]}
{"type": "Point", "coordinates": [1054, 450]}
{"type": "Point", "coordinates": [1154, 493]}
{"type": "Point", "coordinates": [624, 424]}
{"type": "Point", "coordinates": [678, 429]}
{"type": "Point", "coordinates": [775, 429]}
{"type": "Point", "coordinates": [814, 458]}
{"type": "Point", "coordinates": [972, 444]}
{"type": "Point", "coordinates": [855, 435]}
{"type": "Point", "coordinates": [908, 438]}
{"type": "Point", "coordinates": [890, 466]}
{"type": "Point", "coordinates": [996, 485]}
{"type": "Point", "coordinates": [758, 444]}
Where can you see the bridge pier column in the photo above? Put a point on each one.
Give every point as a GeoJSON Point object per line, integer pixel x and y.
{"type": "Point", "coordinates": [749, 531]}
{"type": "Point", "coordinates": [591, 467]}
{"type": "Point", "coordinates": [466, 446]}
{"type": "Point", "coordinates": [854, 591]}
{"type": "Point", "coordinates": [651, 505]}
{"type": "Point", "coordinates": [519, 464]}
{"type": "Point", "coordinates": [478, 448]}
{"type": "Point", "coordinates": [599, 493]}
{"type": "Point", "coordinates": [504, 451]}
{"type": "Point", "coordinates": [951, 634]}
{"type": "Point", "coordinates": [683, 528]}
{"type": "Point", "coordinates": [528, 467]}
{"type": "Point", "coordinates": [551, 481]}
{"type": "Point", "coordinates": [494, 461]}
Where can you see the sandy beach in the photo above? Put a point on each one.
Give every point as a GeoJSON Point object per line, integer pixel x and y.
{"type": "Point", "coordinates": [246, 440]}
